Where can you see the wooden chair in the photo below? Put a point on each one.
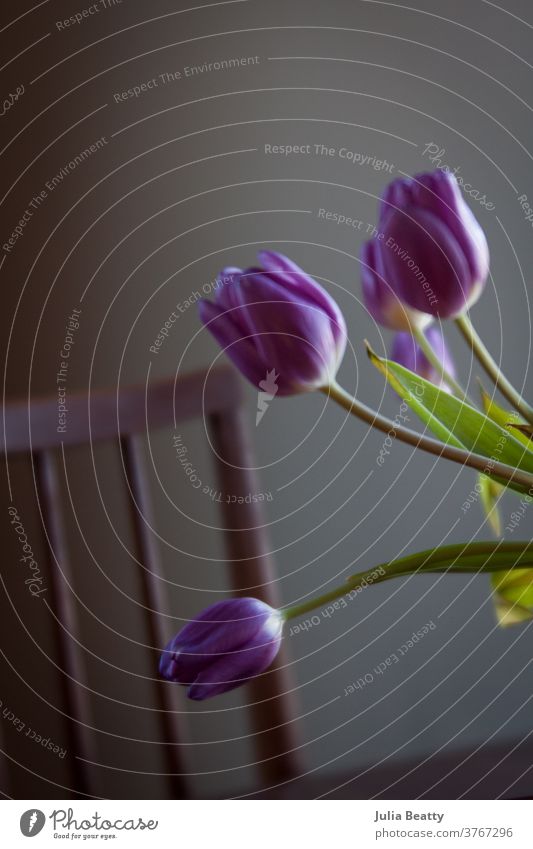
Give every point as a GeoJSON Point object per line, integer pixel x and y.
{"type": "Point", "coordinates": [479, 773]}
{"type": "Point", "coordinates": [125, 417]}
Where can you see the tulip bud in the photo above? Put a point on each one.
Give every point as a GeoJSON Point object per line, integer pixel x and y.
{"type": "Point", "coordinates": [223, 647]}
{"type": "Point", "coordinates": [276, 317]}
{"type": "Point", "coordinates": [434, 253]}
{"type": "Point", "coordinates": [380, 299]}
{"type": "Point", "coordinates": [407, 353]}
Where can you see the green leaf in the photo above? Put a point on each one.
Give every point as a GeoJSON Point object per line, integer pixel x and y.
{"type": "Point", "coordinates": [464, 557]}
{"type": "Point", "coordinates": [512, 585]}
{"type": "Point", "coordinates": [489, 493]}
{"type": "Point", "coordinates": [452, 420]}
{"type": "Point", "coordinates": [508, 419]}
{"type": "Point", "coordinates": [510, 558]}
{"type": "Point", "coordinates": [513, 596]}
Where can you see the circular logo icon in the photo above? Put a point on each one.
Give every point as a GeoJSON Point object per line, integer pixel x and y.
{"type": "Point", "coordinates": [32, 822]}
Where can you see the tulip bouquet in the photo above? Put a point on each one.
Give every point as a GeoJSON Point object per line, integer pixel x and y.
{"type": "Point", "coordinates": [427, 261]}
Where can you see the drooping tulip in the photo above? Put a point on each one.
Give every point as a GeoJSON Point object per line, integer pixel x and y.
{"type": "Point", "coordinates": [276, 317]}
{"type": "Point", "coordinates": [434, 253]}
{"type": "Point", "coordinates": [407, 353]}
{"type": "Point", "coordinates": [223, 647]}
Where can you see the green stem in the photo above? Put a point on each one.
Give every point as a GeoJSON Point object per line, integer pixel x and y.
{"type": "Point", "coordinates": [425, 443]}
{"type": "Point", "coordinates": [423, 343]}
{"type": "Point", "coordinates": [491, 367]}
{"type": "Point", "coordinates": [460, 558]}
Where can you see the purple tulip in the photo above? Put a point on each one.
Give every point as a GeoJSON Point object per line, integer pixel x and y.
{"type": "Point", "coordinates": [407, 353]}
{"type": "Point", "coordinates": [434, 253]}
{"type": "Point", "coordinates": [223, 647]}
{"type": "Point", "coordinates": [277, 318]}
{"type": "Point", "coordinates": [380, 299]}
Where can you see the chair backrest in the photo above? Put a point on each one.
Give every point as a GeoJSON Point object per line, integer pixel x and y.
{"type": "Point", "coordinates": [126, 416]}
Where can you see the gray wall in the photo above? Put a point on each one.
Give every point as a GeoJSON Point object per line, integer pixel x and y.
{"type": "Point", "coordinates": [181, 187]}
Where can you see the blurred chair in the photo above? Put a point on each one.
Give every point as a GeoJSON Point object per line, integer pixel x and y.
{"type": "Point", "coordinates": [125, 417]}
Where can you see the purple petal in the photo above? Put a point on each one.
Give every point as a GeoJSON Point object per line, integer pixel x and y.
{"type": "Point", "coordinates": [225, 282]}
{"type": "Point", "coordinates": [379, 297]}
{"type": "Point", "coordinates": [232, 671]}
{"type": "Point", "coordinates": [407, 353]}
{"type": "Point", "coordinates": [230, 299]}
{"type": "Point", "coordinates": [224, 628]}
{"type": "Point", "coordinates": [397, 195]}
{"type": "Point", "coordinates": [294, 337]}
{"type": "Point", "coordinates": [241, 350]}
{"type": "Point", "coordinates": [245, 617]}
{"type": "Point", "coordinates": [424, 263]}
{"type": "Point", "coordinates": [439, 193]}
{"type": "Point", "coordinates": [285, 271]}
{"type": "Point", "coordinates": [436, 339]}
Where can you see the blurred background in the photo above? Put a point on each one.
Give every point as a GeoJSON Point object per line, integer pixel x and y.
{"type": "Point", "coordinates": [182, 178]}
